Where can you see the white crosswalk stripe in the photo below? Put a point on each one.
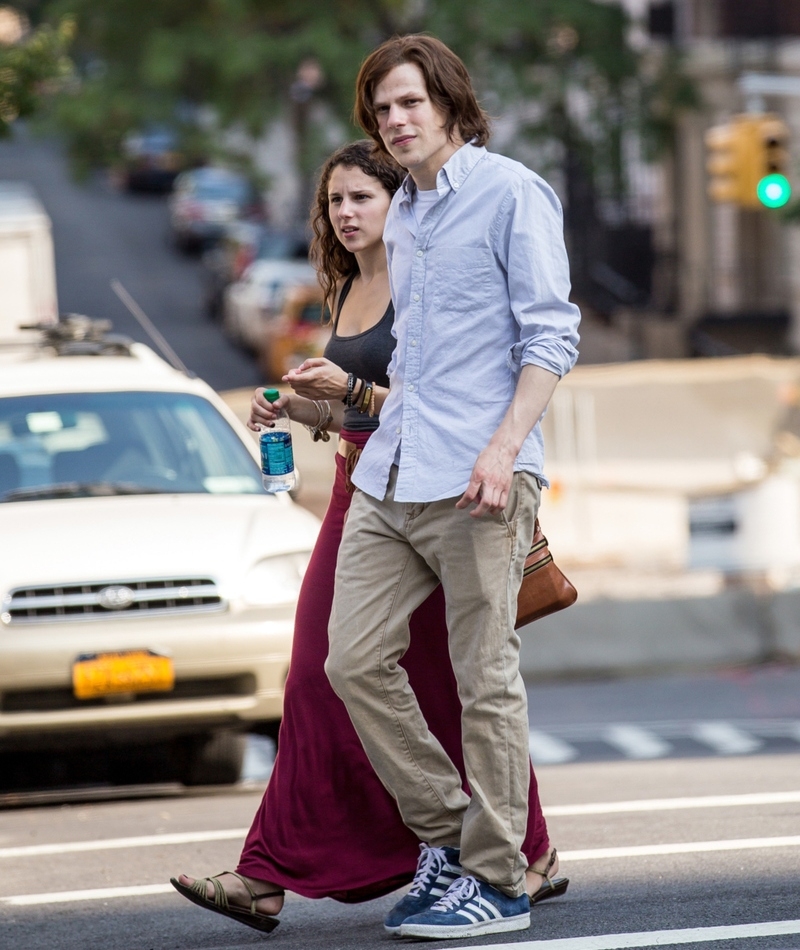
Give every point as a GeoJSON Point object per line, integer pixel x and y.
{"type": "Point", "coordinates": [568, 743]}
{"type": "Point", "coordinates": [549, 750]}
{"type": "Point", "coordinates": [725, 738]}
{"type": "Point", "coordinates": [636, 741]}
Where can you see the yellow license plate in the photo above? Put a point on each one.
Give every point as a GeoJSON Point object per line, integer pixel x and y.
{"type": "Point", "coordinates": [134, 671]}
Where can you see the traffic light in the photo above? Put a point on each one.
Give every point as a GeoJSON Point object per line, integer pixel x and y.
{"type": "Point", "coordinates": [728, 159]}
{"type": "Point", "coordinates": [773, 189]}
{"type": "Point", "coordinates": [747, 161]}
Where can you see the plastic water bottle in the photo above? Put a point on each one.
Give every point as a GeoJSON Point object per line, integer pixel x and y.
{"type": "Point", "coordinates": [277, 460]}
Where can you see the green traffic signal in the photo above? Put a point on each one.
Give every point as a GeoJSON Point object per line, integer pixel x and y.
{"type": "Point", "coordinates": [774, 191]}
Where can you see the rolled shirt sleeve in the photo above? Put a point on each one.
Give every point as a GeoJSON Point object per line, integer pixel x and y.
{"type": "Point", "coordinates": [531, 247]}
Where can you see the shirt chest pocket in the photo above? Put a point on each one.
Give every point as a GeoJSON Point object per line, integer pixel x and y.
{"type": "Point", "coordinates": [460, 278]}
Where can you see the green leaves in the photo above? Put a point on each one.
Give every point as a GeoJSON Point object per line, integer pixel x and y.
{"type": "Point", "coordinates": [564, 68]}
{"type": "Point", "coordinates": [34, 67]}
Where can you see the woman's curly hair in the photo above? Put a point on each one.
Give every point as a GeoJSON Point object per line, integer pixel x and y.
{"type": "Point", "coordinates": [332, 260]}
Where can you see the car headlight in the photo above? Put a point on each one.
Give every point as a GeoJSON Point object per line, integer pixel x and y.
{"type": "Point", "coordinates": [275, 580]}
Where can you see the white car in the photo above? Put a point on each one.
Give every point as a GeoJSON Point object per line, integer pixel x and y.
{"type": "Point", "coordinates": [147, 582]}
{"type": "Point", "coordinates": [250, 303]}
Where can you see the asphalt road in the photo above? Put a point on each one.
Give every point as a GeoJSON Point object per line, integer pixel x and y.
{"type": "Point", "coordinates": [100, 234]}
{"type": "Point", "coordinates": [692, 844]}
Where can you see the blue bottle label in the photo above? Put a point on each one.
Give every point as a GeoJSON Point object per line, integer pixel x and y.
{"type": "Point", "coordinates": [276, 453]}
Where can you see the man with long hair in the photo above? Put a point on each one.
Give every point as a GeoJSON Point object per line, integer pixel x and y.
{"type": "Point", "coordinates": [450, 484]}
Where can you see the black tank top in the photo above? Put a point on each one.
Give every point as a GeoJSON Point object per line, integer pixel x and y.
{"type": "Point", "coordinates": [365, 354]}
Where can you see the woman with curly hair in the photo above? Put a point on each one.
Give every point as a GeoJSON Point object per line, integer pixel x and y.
{"type": "Point", "coordinates": [326, 826]}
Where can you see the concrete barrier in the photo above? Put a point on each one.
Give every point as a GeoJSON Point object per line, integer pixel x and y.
{"type": "Point", "coordinates": [607, 637]}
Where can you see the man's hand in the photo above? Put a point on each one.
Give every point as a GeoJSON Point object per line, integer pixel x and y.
{"type": "Point", "coordinates": [493, 473]}
{"type": "Point", "coordinates": [490, 482]}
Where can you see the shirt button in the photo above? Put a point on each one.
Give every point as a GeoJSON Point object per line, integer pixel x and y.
{"type": "Point", "coordinates": [413, 342]}
{"type": "Point", "coordinates": [411, 387]}
{"type": "Point", "coordinates": [399, 430]}
{"type": "Point", "coordinates": [416, 296]}
{"type": "Point", "coordinates": [455, 184]}
{"type": "Point", "coordinates": [419, 253]}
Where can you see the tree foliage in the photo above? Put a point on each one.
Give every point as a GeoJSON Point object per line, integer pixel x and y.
{"type": "Point", "coordinates": [32, 69]}
{"type": "Point", "coordinates": [571, 59]}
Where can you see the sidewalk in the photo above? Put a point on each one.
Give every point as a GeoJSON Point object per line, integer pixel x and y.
{"type": "Point", "coordinates": [609, 636]}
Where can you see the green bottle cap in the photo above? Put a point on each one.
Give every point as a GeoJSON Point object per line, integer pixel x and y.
{"type": "Point", "coordinates": [271, 395]}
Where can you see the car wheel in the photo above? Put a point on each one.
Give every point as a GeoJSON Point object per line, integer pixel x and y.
{"type": "Point", "coordinates": [215, 759]}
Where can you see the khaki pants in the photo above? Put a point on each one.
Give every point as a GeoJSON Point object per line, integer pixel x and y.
{"type": "Point", "coordinates": [392, 555]}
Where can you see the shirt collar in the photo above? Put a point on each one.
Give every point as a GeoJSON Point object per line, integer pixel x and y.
{"type": "Point", "coordinates": [452, 175]}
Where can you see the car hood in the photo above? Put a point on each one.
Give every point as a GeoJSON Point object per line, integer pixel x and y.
{"type": "Point", "coordinates": [146, 536]}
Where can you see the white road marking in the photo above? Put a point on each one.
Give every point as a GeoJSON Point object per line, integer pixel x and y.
{"type": "Point", "coordinates": [726, 739]}
{"type": "Point", "coordinates": [674, 804]}
{"type": "Point", "coordinates": [681, 847]}
{"type": "Point", "coordinates": [548, 750]}
{"type": "Point", "coordinates": [637, 851]}
{"type": "Point", "coordinates": [635, 741]}
{"type": "Point", "coordinates": [111, 844]}
{"type": "Point", "coordinates": [98, 894]}
{"type": "Point", "coordinates": [654, 938]}
{"type": "Point", "coordinates": [553, 811]}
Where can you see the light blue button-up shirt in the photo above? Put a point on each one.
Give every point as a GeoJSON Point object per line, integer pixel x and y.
{"type": "Point", "coordinates": [480, 289]}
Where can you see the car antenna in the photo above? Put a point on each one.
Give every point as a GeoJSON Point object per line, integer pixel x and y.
{"type": "Point", "coordinates": [150, 328]}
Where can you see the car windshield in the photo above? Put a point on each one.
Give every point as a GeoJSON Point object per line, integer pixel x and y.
{"type": "Point", "coordinates": [81, 444]}
{"type": "Point", "coordinates": [222, 188]}
{"type": "Point", "coordinates": [273, 245]}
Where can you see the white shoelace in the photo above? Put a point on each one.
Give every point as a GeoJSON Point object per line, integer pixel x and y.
{"type": "Point", "coordinates": [461, 890]}
{"type": "Point", "coordinates": [431, 861]}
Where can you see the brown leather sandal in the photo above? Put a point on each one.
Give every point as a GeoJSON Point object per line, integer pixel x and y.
{"type": "Point", "coordinates": [549, 888]}
{"type": "Point", "coordinates": [197, 893]}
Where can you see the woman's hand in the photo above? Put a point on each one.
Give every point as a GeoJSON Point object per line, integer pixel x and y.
{"type": "Point", "coordinates": [318, 378]}
{"type": "Point", "coordinates": [263, 413]}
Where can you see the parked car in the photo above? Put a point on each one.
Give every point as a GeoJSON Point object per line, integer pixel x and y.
{"type": "Point", "coordinates": [205, 200]}
{"type": "Point", "coordinates": [147, 582]}
{"type": "Point", "coordinates": [297, 333]}
{"type": "Point", "coordinates": [258, 297]}
{"type": "Point", "coordinates": [243, 242]}
{"type": "Point", "coordinates": [151, 160]}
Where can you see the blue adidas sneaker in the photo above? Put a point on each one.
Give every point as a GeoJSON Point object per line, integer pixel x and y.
{"type": "Point", "coordinates": [437, 868]}
{"type": "Point", "coordinates": [470, 908]}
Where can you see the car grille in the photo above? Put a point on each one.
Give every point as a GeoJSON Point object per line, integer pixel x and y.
{"type": "Point", "coordinates": [97, 601]}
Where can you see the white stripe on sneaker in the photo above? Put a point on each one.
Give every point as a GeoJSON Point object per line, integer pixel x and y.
{"type": "Point", "coordinates": [486, 908]}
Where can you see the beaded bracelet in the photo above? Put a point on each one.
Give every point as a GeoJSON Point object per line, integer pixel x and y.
{"type": "Point", "coordinates": [351, 382]}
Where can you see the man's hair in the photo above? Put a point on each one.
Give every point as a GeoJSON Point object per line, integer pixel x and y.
{"type": "Point", "coordinates": [446, 79]}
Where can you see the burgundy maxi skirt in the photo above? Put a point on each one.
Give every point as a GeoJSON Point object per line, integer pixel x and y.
{"type": "Point", "coordinates": [326, 826]}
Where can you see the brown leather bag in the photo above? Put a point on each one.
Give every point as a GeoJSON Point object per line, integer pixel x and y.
{"type": "Point", "coordinates": [544, 588]}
